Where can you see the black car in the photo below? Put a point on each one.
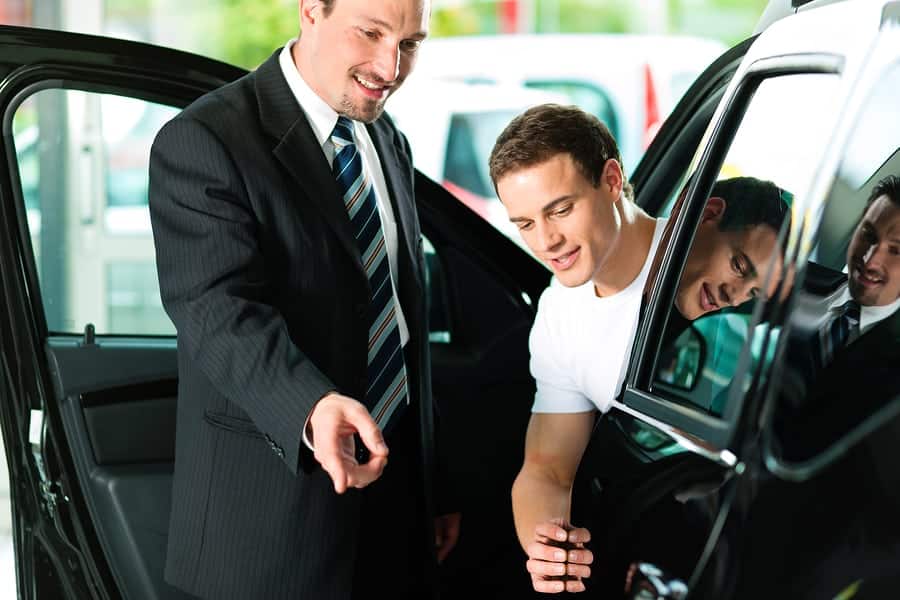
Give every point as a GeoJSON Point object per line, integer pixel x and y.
{"type": "Point", "coordinates": [711, 473]}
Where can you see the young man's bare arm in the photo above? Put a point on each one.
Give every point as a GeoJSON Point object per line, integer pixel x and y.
{"type": "Point", "coordinates": [554, 445]}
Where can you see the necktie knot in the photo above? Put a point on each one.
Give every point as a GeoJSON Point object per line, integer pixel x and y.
{"type": "Point", "coordinates": [342, 134]}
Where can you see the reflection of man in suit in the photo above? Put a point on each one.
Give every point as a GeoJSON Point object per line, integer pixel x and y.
{"type": "Point", "coordinates": [855, 349]}
{"type": "Point", "coordinates": [290, 260]}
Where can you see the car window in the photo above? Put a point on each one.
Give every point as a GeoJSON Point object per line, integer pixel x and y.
{"type": "Point", "coordinates": [83, 160]}
{"type": "Point", "coordinates": [842, 342]}
{"type": "Point", "coordinates": [82, 164]}
{"type": "Point", "coordinates": [734, 262]}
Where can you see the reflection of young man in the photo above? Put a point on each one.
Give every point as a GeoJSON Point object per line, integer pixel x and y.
{"type": "Point", "coordinates": [558, 173]}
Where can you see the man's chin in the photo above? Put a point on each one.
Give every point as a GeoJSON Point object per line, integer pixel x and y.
{"type": "Point", "coordinates": [689, 313]}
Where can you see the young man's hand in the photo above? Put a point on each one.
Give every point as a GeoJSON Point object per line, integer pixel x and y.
{"type": "Point", "coordinates": [557, 558]}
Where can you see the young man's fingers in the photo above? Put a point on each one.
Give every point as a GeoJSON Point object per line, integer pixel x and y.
{"type": "Point", "coordinates": [551, 531]}
{"type": "Point", "coordinates": [547, 586]}
{"type": "Point", "coordinates": [544, 568]}
{"type": "Point", "coordinates": [575, 585]}
{"type": "Point", "coordinates": [576, 570]}
{"type": "Point", "coordinates": [579, 535]}
{"type": "Point", "coordinates": [581, 556]}
{"type": "Point", "coordinates": [539, 551]}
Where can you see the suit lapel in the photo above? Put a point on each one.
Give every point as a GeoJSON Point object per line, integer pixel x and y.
{"type": "Point", "coordinates": [299, 152]}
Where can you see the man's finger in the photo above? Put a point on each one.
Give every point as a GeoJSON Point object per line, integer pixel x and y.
{"type": "Point", "coordinates": [547, 586]}
{"type": "Point", "coordinates": [363, 475]}
{"type": "Point", "coordinates": [369, 432]}
{"type": "Point", "coordinates": [539, 551]}
{"type": "Point", "coordinates": [544, 568]}
{"type": "Point", "coordinates": [551, 531]}
{"type": "Point", "coordinates": [328, 454]}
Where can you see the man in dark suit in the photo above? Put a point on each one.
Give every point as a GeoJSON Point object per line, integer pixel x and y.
{"type": "Point", "coordinates": [290, 260]}
{"type": "Point", "coordinates": [847, 368]}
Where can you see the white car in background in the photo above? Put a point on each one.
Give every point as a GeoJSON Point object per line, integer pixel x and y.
{"type": "Point", "coordinates": [630, 81]}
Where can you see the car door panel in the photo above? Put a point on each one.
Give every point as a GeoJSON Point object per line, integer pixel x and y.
{"type": "Point", "coordinates": [482, 385]}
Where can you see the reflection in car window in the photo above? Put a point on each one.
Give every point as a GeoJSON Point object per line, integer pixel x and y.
{"type": "Point", "coordinates": [843, 342]}
{"type": "Point", "coordinates": [735, 260]}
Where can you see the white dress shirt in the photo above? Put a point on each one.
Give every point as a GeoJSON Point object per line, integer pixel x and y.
{"type": "Point", "coordinates": [869, 316]}
{"type": "Point", "coordinates": [322, 118]}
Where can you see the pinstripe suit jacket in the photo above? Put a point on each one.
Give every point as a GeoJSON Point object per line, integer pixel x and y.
{"type": "Point", "coordinates": [260, 273]}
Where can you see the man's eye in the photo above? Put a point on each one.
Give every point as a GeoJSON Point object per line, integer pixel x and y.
{"type": "Point", "coordinates": [524, 226]}
{"type": "Point", "coordinates": [369, 33]}
{"type": "Point", "coordinates": [410, 45]}
{"type": "Point", "coordinates": [563, 211]}
{"type": "Point", "coordinates": [738, 266]}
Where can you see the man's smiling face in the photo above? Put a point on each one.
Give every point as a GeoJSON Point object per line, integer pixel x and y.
{"type": "Point", "coordinates": [873, 257]}
{"type": "Point", "coordinates": [567, 222]}
{"type": "Point", "coordinates": [724, 268]}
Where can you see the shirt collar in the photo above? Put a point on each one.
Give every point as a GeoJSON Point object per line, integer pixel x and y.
{"type": "Point", "coordinates": [868, 315]}
{"type": "Point", "coordinates": [322, 118]}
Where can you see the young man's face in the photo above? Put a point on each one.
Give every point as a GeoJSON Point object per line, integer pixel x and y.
{"type": "Point", "coordinates": [567, 223]}
{"type": "Point", "coordinates": [873, 257]}
{"type": "Point", "coordinates": [725, 268]}
{"type": "Point", "coordinates": [362, 51]}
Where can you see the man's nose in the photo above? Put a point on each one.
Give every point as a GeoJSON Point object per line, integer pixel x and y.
{"type": "Point", "coordinates": [874, 256]}
{"type": "Point", "coordinates": [548, 237]}
{"type": "Point", "coordinates": [387, 62]}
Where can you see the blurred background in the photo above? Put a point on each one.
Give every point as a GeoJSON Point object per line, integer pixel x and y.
{"type": "Point", "coordinates": [626, 61]}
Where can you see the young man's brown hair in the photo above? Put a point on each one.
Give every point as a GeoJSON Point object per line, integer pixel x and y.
{"type": "Point", "coordinates": [543, 131]}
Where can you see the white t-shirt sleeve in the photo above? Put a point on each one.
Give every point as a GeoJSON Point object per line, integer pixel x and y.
{"type": "Point", "coordinates": [557, 391]}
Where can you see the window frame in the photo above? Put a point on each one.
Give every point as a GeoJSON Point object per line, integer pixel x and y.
{"type": "Point", "coordinates": [639, 395]}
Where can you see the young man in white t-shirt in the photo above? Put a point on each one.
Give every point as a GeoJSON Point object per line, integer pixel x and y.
{"type": "Point", "coordinates": [558, 172]}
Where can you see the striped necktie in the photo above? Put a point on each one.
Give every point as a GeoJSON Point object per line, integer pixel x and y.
{"type": "Point", "coordinates": [841, 330]}
{"type": "Point", "coordinates": [386, 372]}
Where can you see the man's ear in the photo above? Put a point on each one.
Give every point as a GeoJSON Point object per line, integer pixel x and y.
{"type": "Point", "coordinates": [310, 11]}
{"type": "Point", "coordinates": [612, 177]}
{"type": "Point", "coordinates": [713, 210]}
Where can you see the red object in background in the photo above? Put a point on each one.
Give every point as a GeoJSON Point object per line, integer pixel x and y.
{"type": "Point", "coordinates": [508, 15]}
{"type": "Point", "coordinates": [15, 12]}
{"type": "Point", "coordinates": [472, 200]}
{"type": "Point", "coordinates": [651, 107]}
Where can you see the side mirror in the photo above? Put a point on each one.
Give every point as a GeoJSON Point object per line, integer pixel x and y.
{"type": "Point", "coordinates": [681, 361]}
{"type": "Point", "coordinates": [645, 581]}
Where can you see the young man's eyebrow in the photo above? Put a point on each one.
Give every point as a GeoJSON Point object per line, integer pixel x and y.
{"type": "Point", "coordinates": [544, 209]}
{"type": "Point", "coordinates": [554, 203]}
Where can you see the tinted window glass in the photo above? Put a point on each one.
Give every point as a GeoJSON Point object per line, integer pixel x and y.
{"type": "Point", "coordinates": [843, 343]}
{"type": "Point", "coordinates": [83, 160]}
{"type": "Point", "coordinates": [734, 262]}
